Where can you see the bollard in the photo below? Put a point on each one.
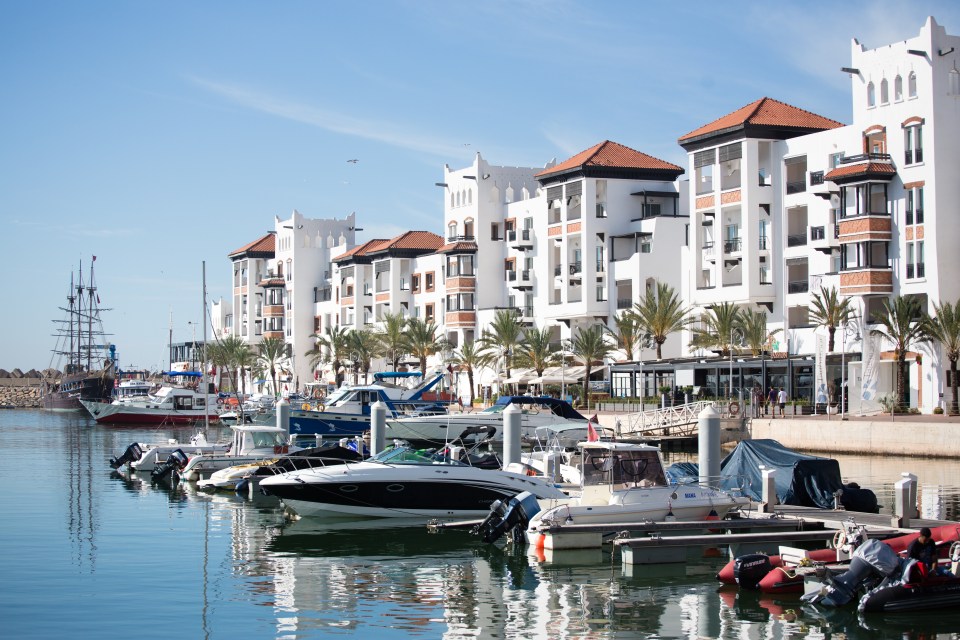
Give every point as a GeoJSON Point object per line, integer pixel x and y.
{"type": "Point", "coordinates": [511, 435]}
{"type": "Point", "coordinates": [283, 415]}
{"type": "Point", "coordinates": [905, 498]}
{"type": "Point", "coordinates": [768, 494]}
{"type": "Point", "coordinates": [378, 427]}
{"type": "Point", "coordinates": [708, 424]}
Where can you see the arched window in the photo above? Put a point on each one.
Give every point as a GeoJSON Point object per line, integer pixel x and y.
{"type": "Point", "coordinates": [469, 196]}
{"type": "Point", "coordinates": [912, 85]}
{"type": "Point", "coordinates": [884, 92]}
{"type": "Point", "coordinates": [451, 201]}
{"type": "Point", "coordinates": [289, 269]}
{"type": "Point", "coordinates": [468, 228]}
{"type": "Point", "coordinates": [871, 95]}
{"type": "Point", "coordinates": [458, 198]}
{"type": "Point", "coordinates": [954, 82]}
{"type": "Point", "coordinates": [452, 230]}
{"type": "Point", "coordinates": [898, 88]}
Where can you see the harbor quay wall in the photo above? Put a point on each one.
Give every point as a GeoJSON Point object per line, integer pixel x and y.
{"type": "Point", "coordinates": [902, 436]}
{"type": "Point", "coordinates": [22, 393]}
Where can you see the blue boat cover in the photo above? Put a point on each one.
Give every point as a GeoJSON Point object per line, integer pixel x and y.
{"type": "Point", "coordinates": [560, 408]}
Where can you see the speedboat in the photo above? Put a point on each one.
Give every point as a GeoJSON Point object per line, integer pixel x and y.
{"type": "Point", "coordinates": [169, 405]}
{"type": "Point", "coordinates": [251, 443]}
{"type": "Point", "coordinates": [242, 476]}
{"type": "Point", "coordinates": [145, 457]}
{"type": "Point", "coordinates": [536, 411]}
{"type": "Point", "coordinates": [621, 483]}
{"type": "Point", "coordinates": [402, 482]}
{"type": "Point", "coordinates": [346, 413]}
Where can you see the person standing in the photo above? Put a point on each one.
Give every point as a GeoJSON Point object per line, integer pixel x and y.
{"type": "Point", "coordinates": [772, 402]}
{"type": "Point", "coordinates": [782, 401]}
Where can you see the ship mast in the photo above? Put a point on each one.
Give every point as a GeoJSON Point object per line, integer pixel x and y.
{"type": "Point", "coordinates": [203, 364]}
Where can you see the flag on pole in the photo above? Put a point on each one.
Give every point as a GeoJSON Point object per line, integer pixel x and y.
{"type": "Point", "coordinates": [592, 435]}
{"type": "Point", "coordinates": [94, 259]}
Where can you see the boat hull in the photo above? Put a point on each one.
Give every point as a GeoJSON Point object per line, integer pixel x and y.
{"type": "Point", "coordinates": [329, 424]}
{"type": "Point", "coordinates": [934, 592]}
{"type": "Point", "coordinates": [128, 414]}
{"type": "Point", "coordinates": [72, 391]}
{"type": "Point", "coordinates": [428, 491]}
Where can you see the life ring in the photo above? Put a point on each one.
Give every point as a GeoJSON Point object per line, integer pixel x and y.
{"type": "Point", "coordinates": [734, 408]}
{"type": "Point", "coordinates": [305, 406]}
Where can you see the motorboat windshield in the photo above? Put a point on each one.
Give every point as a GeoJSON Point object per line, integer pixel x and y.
{"type": "Point", "coordinates": [622, 467]}
{"type": "Point", "coordinates": [408, 455]}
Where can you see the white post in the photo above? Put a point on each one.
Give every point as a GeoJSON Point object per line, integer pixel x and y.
{"type": "Point", "coordinates": [768, 495]}
{"type": "Point", "coordinates": [511, 434]}
{"type": "Point", "coordinates": [709, 446]}
{"type": "Point", "coordinates": [905, 498]}
{"type": "Point", "coordinates": [283, 415]}
{"type": "Point", "coordinates": [378, 427]}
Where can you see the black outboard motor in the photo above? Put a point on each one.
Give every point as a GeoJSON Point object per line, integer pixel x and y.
{"type": "Point", "coordinates": [750, 569]}
{"type": "Point", "coordinates": [871, 562]}
{"type": "Point", "coordinates": [511, 515]}
{"type": "Point", "coordinates": [132, 454]}
{"type": "Point", "coordinates": [176, 460]}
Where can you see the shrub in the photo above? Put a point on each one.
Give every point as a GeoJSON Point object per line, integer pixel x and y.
{"type": "Point", "coordinates": [938, 411]}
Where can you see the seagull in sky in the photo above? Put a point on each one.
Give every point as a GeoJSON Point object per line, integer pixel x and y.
{"type": "Point", "coordinates": [354, 161]}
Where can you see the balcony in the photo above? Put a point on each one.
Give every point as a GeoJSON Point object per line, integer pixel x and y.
{"type": "Point", "coordinates": [576, 268]}
{"type": "Point", "coordinates": [823, 238]}
{"type": "Point", "coordinates": [624, 303]}
{"type": "Point", "coordinates": [797, 239]}
{"type": "Point", "coordinates": [798, 286]}
{"type": "Point", "coordinates": [732, 245]}
{"type": "Point", "coordinates": [867, 228]}
{"type": "Point", "coordinates": [521, 239]}
{"type": "Point", "coordinates": [708, 249]}
{"type": "Point", "coordinates": [461, 238]}
{"type": "Point", "coordinates": [522, 279]}
{"type": "Point", "coordinates": [866, 280]}
{"type": "Point", "coordinates": [796, 186]}
{"type": "Point", "coordinates": [763, 244]}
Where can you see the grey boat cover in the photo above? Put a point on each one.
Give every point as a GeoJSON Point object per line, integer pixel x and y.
{"type": "Point", "coordinates": [800, 479]}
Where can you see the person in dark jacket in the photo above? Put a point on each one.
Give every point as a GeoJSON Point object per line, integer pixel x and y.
{"type": "Point", "coordinates": [924, 549]}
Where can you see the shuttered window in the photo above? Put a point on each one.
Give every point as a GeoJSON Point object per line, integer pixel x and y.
{"type": "Point", "coordinates": [731, 152]}
{"type": "Point", "coordinates": [704, 158]}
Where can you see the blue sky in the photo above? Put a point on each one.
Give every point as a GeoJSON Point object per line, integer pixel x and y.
{"type": "Point", "coordinates": [157, 136]}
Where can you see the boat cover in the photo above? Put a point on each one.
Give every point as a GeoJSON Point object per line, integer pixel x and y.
{"type": "Point", "coordinates": [800, 479]}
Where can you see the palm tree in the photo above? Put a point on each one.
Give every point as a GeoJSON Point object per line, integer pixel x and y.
{"type": "Point", "coordinates": [828, 310]}
{"type": "Point", "coordinates": [393, 337]}
{"type": "Point", "coordinates": [536, 352]}
{"type": "Point", "coordinates": [944, 327]}
{"type": "Point", "coordinates": [235, 351]}
{"type": "Point", "coordinates": [503, 335]}
{"type": "Point", "coordinates": [589, 346]}
{"type": "Point", "coordinates": [753, 328]}
{"type": "Point", "coordinates": [331, 347]}
{"type": "Point", "coordinates": [423, 341]}
{"type": "Point", "coordinates": [272, 353]}
{"type": "Point", "coordinates": [660, 313]}
{"type": "Point", "coordinates": [470, 356]}
{"type": "Point", "coordinates": [903, 324]}
{"type": "Point", "coordinates": [718, 328]}
{"type": "Point", "coordinates": [628, 333]}
{"type": "Point", "coordinates": [365, 345]}
{"type": "Point", "coordinates": [243, 359]}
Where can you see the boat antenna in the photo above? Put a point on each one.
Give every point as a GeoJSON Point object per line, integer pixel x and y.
{"type": "Point", "coordinates": [203, 365]}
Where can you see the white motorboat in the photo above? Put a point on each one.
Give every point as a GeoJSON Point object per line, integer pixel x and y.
{"type": "Point", "coordinates": [623, 483]}
{"type": "Point", "coordinates": [251, 443]}
{"type": "Point", "coordinates": [145, 457]}
{"type": "Point", "coordinates": [169, 405]}
{"type": "Point", "coordinates": [401, 483]}
{"type": "Point", "coordinates": [536, 411]}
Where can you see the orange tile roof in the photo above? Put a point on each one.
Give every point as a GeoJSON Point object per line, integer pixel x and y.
{"type": "Point", "coordinates": [416, 240]}
{"type": "Point", "coordinates": [766, 112]}
{"type": "Point", "coordinates": [610, 154]}
{"type": "Point", "coordinates": [864, 168]}
{"type": "Point", "coordinates": [266, 244]}
{"type": "Point", "coordinates": [459, 247]}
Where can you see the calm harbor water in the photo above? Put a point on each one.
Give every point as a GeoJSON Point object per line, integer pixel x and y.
{"type": "Point", "coordinates": [89, 554]}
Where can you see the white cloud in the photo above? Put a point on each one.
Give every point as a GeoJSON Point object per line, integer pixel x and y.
{"type": "Point", "coordinates": [377, 130]}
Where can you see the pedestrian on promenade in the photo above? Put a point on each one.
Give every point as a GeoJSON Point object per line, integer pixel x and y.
{"type": "Point", "coordinates": [782, 401]}
{"type": "Point", "coordinates": [772, 401]}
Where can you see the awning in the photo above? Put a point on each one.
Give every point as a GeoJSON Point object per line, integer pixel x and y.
{"type": "Point", "coordinates": [521, 376]}
{"type": "Point", "coordinates": [560, 375]}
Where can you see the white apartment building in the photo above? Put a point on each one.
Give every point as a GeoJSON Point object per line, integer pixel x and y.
{"type": "Point", "coordinates": [786, 201]}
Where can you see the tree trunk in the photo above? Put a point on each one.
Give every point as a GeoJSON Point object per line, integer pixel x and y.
{"type": "Point", "coordinates": [831, 332]}
{"type": "Point", "coordinates": [901, 390]}
{"type": "Point", "coordinates": [953, 383]}
{"type": "Point", "coordinates": [470, 381]}
{"type": "Point", "coordinates": [659, 350]}
{"type": "Point", "coordinates": [586, 386]}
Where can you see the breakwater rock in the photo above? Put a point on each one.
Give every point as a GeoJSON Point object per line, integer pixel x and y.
{"type": "Point", "coordinates": [24, 395]}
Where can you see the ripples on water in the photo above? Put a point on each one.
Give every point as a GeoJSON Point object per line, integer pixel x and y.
{"type": "Point", "coordinates": [87, 553]}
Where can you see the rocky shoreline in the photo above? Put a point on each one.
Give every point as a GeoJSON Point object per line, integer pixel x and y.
{"type": "Point", "coordinates": [20, 396]}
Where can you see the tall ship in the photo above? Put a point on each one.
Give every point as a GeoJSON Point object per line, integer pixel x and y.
{"type": "Point", "coordinates": [83, 358]}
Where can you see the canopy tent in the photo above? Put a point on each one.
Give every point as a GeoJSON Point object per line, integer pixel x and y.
{"type": "Point", "coordinates": [560, 375]}
{"type": "Point", "coordinates": [521, 376]}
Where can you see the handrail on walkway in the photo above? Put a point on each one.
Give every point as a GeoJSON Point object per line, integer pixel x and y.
{"type": "Point", "coordinates": [679, 420]}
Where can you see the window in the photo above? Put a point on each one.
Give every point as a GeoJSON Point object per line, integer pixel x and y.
{"type": "Point", "coordinates": [912, 85]}
{"type": "Point", "coordinates": [914, 208]}
{"type": "Point", "coordinates": [898, 88]}
{"type": "Point", "coordinates": [915, 263]}
{"type": "Point", "coordinates": [601, 293]}
{"type": "Point", "coordinates": [913, 143]}
{"type": "Point", "coordinates": [910, 260]}
{"type": "Point", "coordinates": [415, 283]}
{"type": "Point", "coordinates": [601, 198]}
{"type": "Point", "coordinates": [429, 313]}
{"type": "Point", "coordinates": [460, 302]}
{"type": "Point", "coordinates": [871, 96]}
{"type": "Point", "coordinates": [428, 281]}
{"type": "Point", "coordinates": [953, 83]}
{"type": "Point", "coordinates": [468, 228]}
{"type": "Point", "coordinates": [646, 246]}
{"type": "Point", "coordinates": [884, 92]}
{"type": "Point", "coordinates": [452, 231]}
{"type": "Point", "coordinates": [921, 269]}
{"type": "Point", "coordinates": [275, 296]}
{"type": "Point", "coordinates": [650, 209]}
{"type": "Point", "coordinates": [494, 231]}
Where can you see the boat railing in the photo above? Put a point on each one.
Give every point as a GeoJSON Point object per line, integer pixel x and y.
{"type": "Point", "coordinates": [678, 421]}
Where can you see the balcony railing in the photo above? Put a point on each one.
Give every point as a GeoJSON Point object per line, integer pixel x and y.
{"type": "Point", "coordinates": [910, 271]}
{"type": "Point", "coordinates": [865, 157]}
{"type": "Point", "coordinates": [817, 233]}
{"type": "Point", "coordinates": [921, 270]}
{"type": "Point", "coordinates": [463, 238]}
{"type": "Point", "coordinates": [796, 186]}
{"type": "Point", "coordinates": [798, 286]}
{"type": "Point", "coordinates": [732, 245]}
{"type": "Point", "coordinates": [796, 239]}
{"type": "Point", "coordinates": [624, 303]}
{"type": "Point", "coordinates": [763, 244]}
{"type": "Point", "coordinates": [575, 268]}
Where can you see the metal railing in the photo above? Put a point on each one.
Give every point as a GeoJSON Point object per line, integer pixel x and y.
{"type": "Point", "coordinates": [678, 421]}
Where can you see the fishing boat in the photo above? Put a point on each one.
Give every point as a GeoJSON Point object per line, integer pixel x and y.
{"type": "Point", "coordinates": [536, 411]}
{"type": "Point", "coordinates": [346, 413]}
{"type": "Point", "coordinates": [87, 361]}
{"type": "Point", "coordinates": [619, 483]}
{"type": "Point", "coordinates": [402, 482]}
{"type": "Point", "coordinates": [168, 405]}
